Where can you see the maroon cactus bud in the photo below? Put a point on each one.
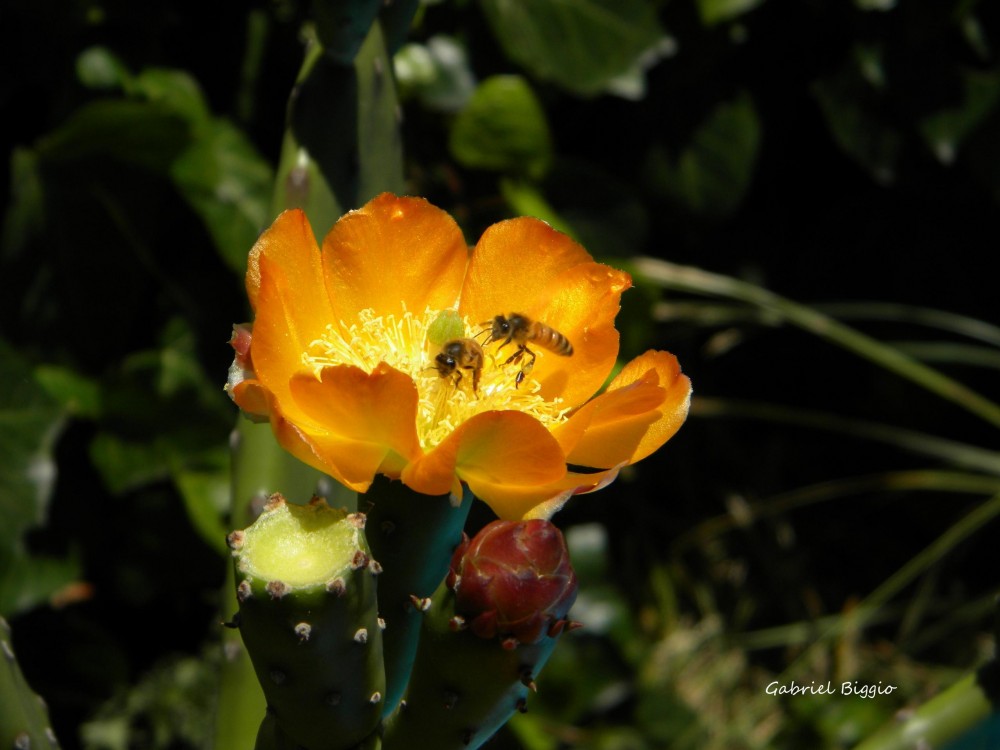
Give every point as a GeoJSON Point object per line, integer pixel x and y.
{"type": "Point", "coordinates": [513, 580]}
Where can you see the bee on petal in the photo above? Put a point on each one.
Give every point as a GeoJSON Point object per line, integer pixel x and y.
{"type": "Point", "coordinates": [519, 329]}
{"type": "Point", "coordinates": [458, 355]}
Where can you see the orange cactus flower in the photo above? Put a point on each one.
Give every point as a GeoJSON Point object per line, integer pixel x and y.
{"type": "Point", "coordinates": [344, 358]}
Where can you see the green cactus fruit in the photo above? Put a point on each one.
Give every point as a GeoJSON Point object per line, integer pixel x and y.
{"type": "Point", "coordinates": [24, 720]}
{"type": "Point", "coordinates": [414, 536]}
{"type": "Point", "coordinates": [308, 616]}
{"type": "Point", "coordinates": [487, 632]}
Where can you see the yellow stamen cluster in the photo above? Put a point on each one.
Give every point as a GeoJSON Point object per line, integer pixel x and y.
{"type": "Point", "coordinates": [402, 343]}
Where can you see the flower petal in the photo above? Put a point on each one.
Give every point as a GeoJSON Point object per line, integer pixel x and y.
{"type": "Point", "coordinates": [513, 266]}
{"type": "Point", "coordinates": [525, 266]}
{"type": "Point", "coordinates": [251, 397]}
{"type": "Point", "coordinates": [501, 455]}
{"type": "Point", "coordinates": [394, 252]}
{"type": "Point", "coordinates": [643, 407]}
{"type": "Point", "coordinates": [543, 501]}
{"type": "Point", "coordinates": [369, 419]}
{"type": "Point", "coordinates": [283, 328]}
{"type": "Point", "coordinates": [289, 244]}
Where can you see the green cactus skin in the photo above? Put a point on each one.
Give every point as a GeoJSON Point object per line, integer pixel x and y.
{"type": "Point", "coordinates": [270, 737]}
{"type": "Point", "coordinates": [24, 720]}
{"type": "Point", "coordinates": [463, 688]}
{"type": "Point", "coordinates": [413, 536]}
{"type": "Point", "coordinates": [342, 145]}
{"type": "Point", "coordinates": [342, 26]}
{"type": "Point", "coordinates": [309, 619]}
{"type": "Point", "coordinates": [260, 467]}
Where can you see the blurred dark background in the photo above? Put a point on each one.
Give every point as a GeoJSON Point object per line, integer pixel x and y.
{"type": "Point", "coordinates": [842, 155]}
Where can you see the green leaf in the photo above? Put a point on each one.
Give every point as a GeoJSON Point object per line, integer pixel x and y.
{"type": "Point", "coordinates": [851, 103]}
{"type": "Point", "coordinates": [161, 414]}
{"type": "Point", "coordinates": [946, 130]}
{"type": "Point", "coordinates": [719, 11]}
{"type": "Point", "coordinates": [580, 45]}
{"type": "Point", "coordinates": [99, 68]}
{"type": "Point", "coordinates": [175, 89]}
{"type": "Point", "coordinates": [78, 394]}
{"type": "Point", "coordinates": [228, 184]}
{"type": "Point", "coordinates": [27, 581]}
{"type": "Point", "coordinates": [503, 128]}
{"type": "Point", "coordinates": [437, 73]}
{"type": "Point", "coordinates": [25, 215]}
{"type": "Point", "coordinates": [125, 464]}
{"type": "Point", "coordinates": [145, 134]}
{"type": "Point", "coordinates": [206, 497]}
{"type": "Point", "coordinates": [30, 421]}
{"type": "Point", "coordinates": [711, 175]}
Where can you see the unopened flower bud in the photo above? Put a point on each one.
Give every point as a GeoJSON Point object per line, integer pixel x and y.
{"type": "Point", "coordinates": [242, 366]}
{"type": "Point", "coordinates": [513, 579]}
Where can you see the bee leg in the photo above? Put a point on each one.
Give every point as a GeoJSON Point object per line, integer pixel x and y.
{"type": "Point", "coordinates": [525, 368]}
{"type": "Point", "coordinates": [458, 378]}
{"type": "Point", "coordinates": [516, 356]}
{"type": "Point", "coordinates": [475, 380]}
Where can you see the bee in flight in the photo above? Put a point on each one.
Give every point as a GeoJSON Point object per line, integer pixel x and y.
{"type": "Point", "coordinates": [457, 355]}
{"type": "Point", "coordinates": [520, 329]}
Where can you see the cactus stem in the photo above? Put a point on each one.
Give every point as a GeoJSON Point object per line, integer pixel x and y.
{"type": "Point", "coordinates": [360, 560]}
{"type": "Point", "coordinates": [457, 623]}
{"type": "Point", "coordinates": [233, 623]}
{"type": "Point", "coordinates": [467, 736]}
{"type": "Point", "coordinates": [375, 567]}
{"type": "Point", "coordinates": [521, 705]}
{"type": "Point", "coordinates": [303, 630]}
{"type": "Point", "coordinates": [361, 636]}
{"type": "Point", "coordinates": [450, 699]}
{"type": "Point", "coordinates": [376, 698]}
{"type": "Point", "coordinates": [509, 643]}
{"type": "Point", "coordinates": [337, 586]}
{"type": "Point", "coordinates": [358, 520]}
{"type": "Point", "coordinates": [381, 623]}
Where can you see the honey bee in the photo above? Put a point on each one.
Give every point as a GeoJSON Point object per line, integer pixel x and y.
{"type": "Point", "coordinates": [520, 329]}
{"type": "Point", "coordinates": [457, 355]}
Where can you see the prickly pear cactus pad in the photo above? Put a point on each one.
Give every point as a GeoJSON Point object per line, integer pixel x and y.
{"type": "Point", "coordinates": [487, 632]}
{"type": "Point", "coordinates": [308, 614]}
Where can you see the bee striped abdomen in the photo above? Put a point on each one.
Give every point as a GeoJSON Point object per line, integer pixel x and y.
{"type": "Point", "coordinates": [551, 339]}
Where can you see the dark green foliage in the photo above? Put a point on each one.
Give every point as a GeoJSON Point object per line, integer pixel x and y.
{"type": "Point", "coordinates": [24, 721]}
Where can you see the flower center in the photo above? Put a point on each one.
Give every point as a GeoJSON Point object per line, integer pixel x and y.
{"type": "Point", "coordinates": [411, 343]}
